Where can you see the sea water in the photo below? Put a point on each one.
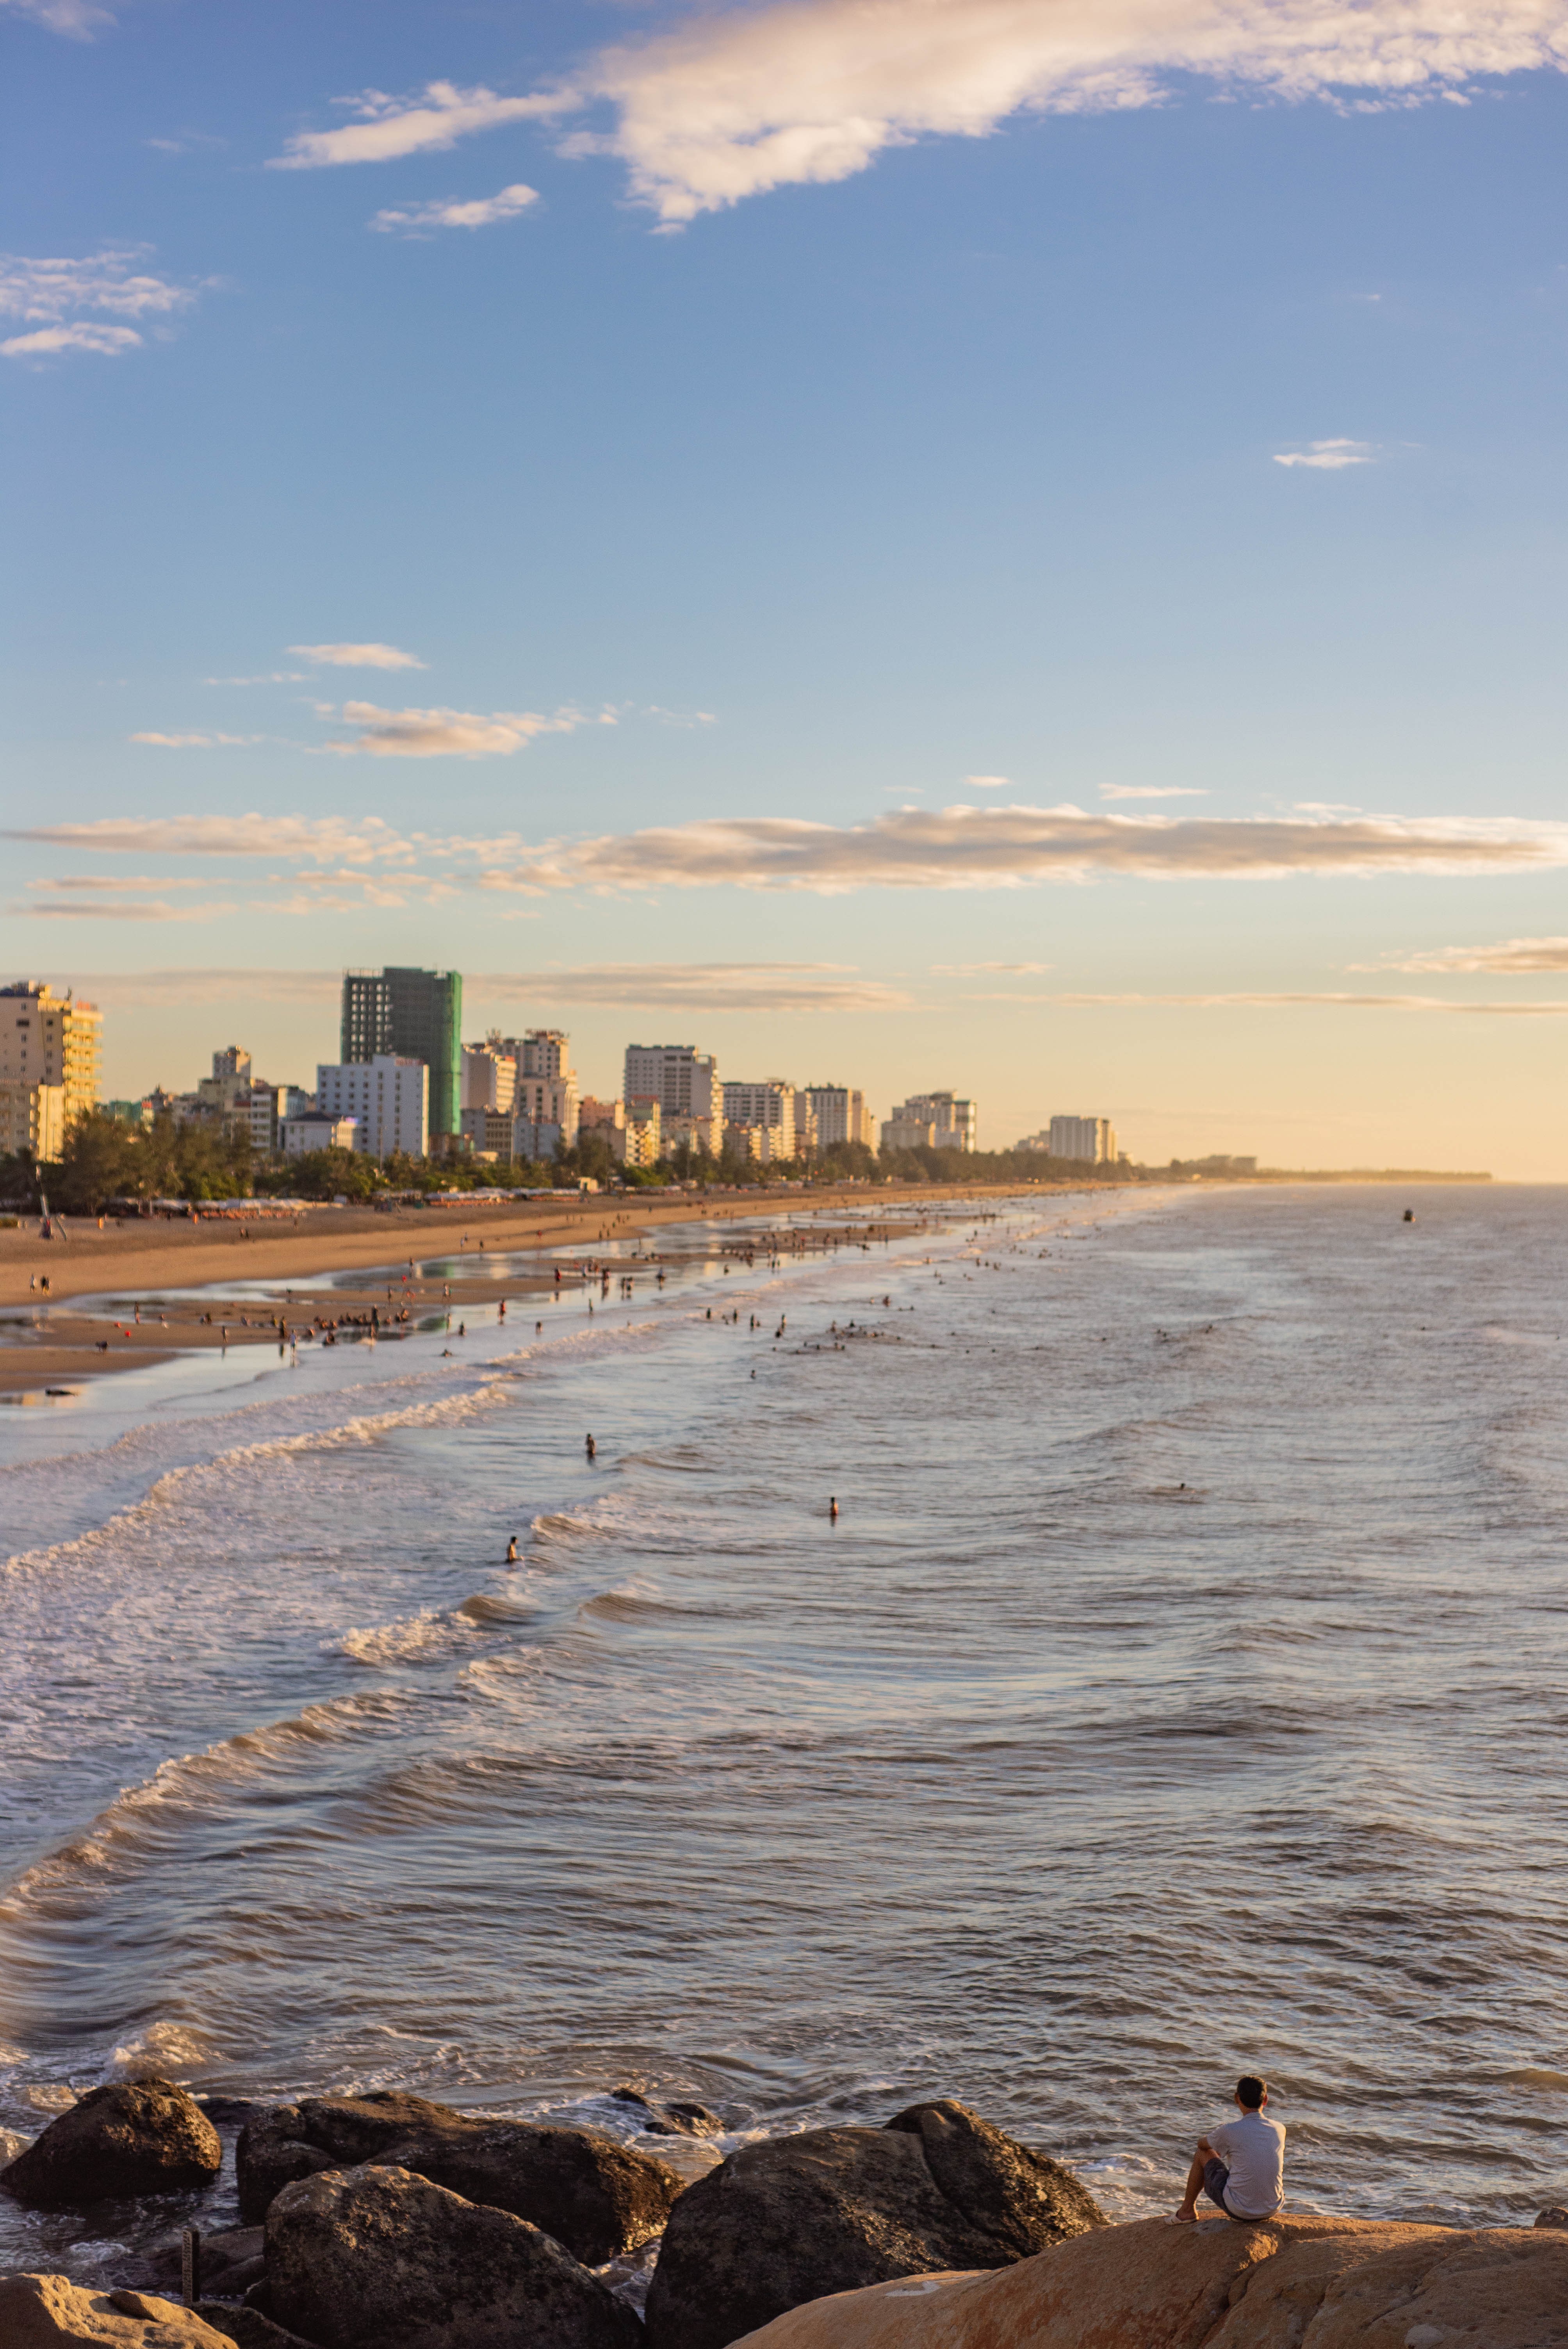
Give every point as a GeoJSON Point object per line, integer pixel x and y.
{"type": "Point", "coordinates": [1180, 1691]}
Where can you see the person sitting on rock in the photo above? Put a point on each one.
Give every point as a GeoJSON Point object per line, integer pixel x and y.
{"type": "Point", "coordinates": [1241, 2167]}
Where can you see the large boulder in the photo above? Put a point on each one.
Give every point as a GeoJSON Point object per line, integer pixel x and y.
{"type": "Point", "coordinates": [136, 2136]}
{"type": "Point", "coordinates": [363, 2258]}
{"type": "Point", "coordinates": [595, 2195]}
{"type": "Point", "coordinates": [248, 2327]}
{"type": "Point", "coordinates": [45, 2311]}
{"type": "Point", "coordinates": [794, 2217]}
{"type": "Point", "coordinates": [1344, 2283]}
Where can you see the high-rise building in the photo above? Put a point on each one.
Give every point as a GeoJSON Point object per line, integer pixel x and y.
{"type": "Point", "coordinates": [841, 1115]}
{"type": "Point", "coordinates": [409, 1014]}
{"type": "Point", "coordinates": [388, 1098]}
{"type": "Point", "coordinates": [901, 1133]}
{"type": "Point", "coordinates": [1090, 1140]}
{"type": "Point", "coordinates": [953, 1122]}
{"type": "Point", "coordinates": [490, 1076]}
{"type": "Point", "coordinates": [769, 1109]}
{"type": "Point", "coordinates": [49, 1046]}
{"type": "Point", "coordinates": [685, 1083]}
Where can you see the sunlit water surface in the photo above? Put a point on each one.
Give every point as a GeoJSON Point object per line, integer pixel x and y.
{"type": "Point", "coordinates": [1181, 1690]}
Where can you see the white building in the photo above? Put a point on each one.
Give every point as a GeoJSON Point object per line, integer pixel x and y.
{"type": "Point", "coordinates": [953, 1122]}
{"type": "Point", "coordinates": [682, 1081]}
{"type": "Point", "coordinates": [900, 1133]}
{"type": "Point", "coordinates": [389, 1097]}
{"type": "Point", "coordinates": [640, 1141]}
{"type": "Point", "coordinates": [315, 1129]}
{"type": "Point", "coordinates": [768, 1109]}
{"type": "Point", "coordinates": [842, 1114]}
{"type": "Point", "coordinates": [48, 1066]}
{"type": "Point", "coordinates": [1090, 1140]}
{"type": "Point", "coordinates": [490, 1076]}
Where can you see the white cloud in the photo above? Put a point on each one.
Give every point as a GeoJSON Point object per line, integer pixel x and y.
{"type": "Point", "coordinates": [452, 733]}
{"type": "Point", "coordinates": [113, 882]}
{"type": "Point", "coordinates": [77, 19]}
{"type": "Point", "coordinates": [386, 128]}
{"type": "Point", "coordinates": [968, 848]}
{"type": "Point", "coordinates": [481, 213]}
{"type": "Point", "coordinates": [984, 783]}
{"type": "Point", "coordinates": [274, 677]}
{"type": "Point", "coordinates": [975, 969]}
{"type": "Point", "coordinates": [69, 912]}
{"type": "Point", "coordinates": [812, 90]}
{"type": "Point", "coordinates": [197, 742]}
{"type": "Point", "coordinates": [288, 836]}
{"type": "Point", "coordinates": [1330, 456]}
{"type": "Point", "coordinates": [1512, 955]}
{"type": "Point", "coordinates": [50, 295]}
{"type": "Point", "coordinates": [1152, 792]}
{"type": "Point", "coordinates": [696, 987]}
{"type": "Point", "coordinates": [351, 656]}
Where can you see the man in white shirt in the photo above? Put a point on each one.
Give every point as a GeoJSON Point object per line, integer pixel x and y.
{"type": "Point", "coordinates": [1240, 2167]}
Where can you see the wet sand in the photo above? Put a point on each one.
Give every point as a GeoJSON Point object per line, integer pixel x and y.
{"type": "Point", "coordinates": [160, 1262]}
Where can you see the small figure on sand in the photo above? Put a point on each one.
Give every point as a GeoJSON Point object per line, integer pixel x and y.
{"type": "Point", "coordinates": [590, 1447]}
{"type": "Point", "coordinates": [512, 1551]}
{"type": "Point", "coordinates": [1240, 2166]}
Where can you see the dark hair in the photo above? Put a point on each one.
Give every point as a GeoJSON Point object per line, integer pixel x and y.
{"type": "Point", "coordinates": [1250, 2091]}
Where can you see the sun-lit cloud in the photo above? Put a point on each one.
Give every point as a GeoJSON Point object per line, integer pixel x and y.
{"type": "Point", "coordinates": [75, 305]}
{"type": "Point", "coordinates": [738, 102]}
{"type": "Point", "coordinates": [68, 910]}
{"type": "Point", "coordinates": [112, 883]}
{"type": "Point", "coordinates": [383, 128]}
{"type": "Point", "coordinates": [1153, 792]}
{"type": "Point", "coordinates": [1522, 955]}
{"type": "Point", "coordinates": [976, 970]}
{"type": "Point", "coordinates": [984, 783]}
{"type": "Point", "coordinates": [1329, 456]}
{"type": "Point", "coordinates": [1285, 1002]}
{"type": "Point", "coordinates": [482, 212]}
{"type": "Point", "coordinates": [352, 657]}
{"type": "Point", "coordinates": [198, 742]}
{"type": "Point", "coordinates": [317, 838]}
{"type": "Point", "coordinates": [695, 987]}
{"type": "Point", "coordinates": [968, 848]}
{"type": "Point", "coordinates": [453, 733]}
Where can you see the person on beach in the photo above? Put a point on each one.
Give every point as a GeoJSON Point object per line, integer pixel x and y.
{"type": "Point", "coordinates": [1241, 2166]}
{"type": "Point", "coordinates": [512, 1551]}
{"type": "Point", "coordinates": [591, 1448]}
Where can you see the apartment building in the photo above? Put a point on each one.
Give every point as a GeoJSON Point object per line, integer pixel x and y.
{"type": "Point", "coordinates": [389, 1097]}
{"type": "Point", "coordinates": [682, 1081]}
{"type": "Point", "coordinates": [767, 1109]}
{"type": "Point", "coordinates": [1089, 1140]}
{"type": "Point", "coordinates": [640, 1141]}
{"type": "Point", "coordinates": [314, 1129]}
{"type": "Point", "coordinates": [839, 1114]}
{"type": "Point", "coordinates": [403, 1013]}
{"type": "Point", "coordinates": [49, 1051]}
{"type": "Point", "coordinates": [953, 1122]}
{"type": "Point", "coordinates": [490, 1076]}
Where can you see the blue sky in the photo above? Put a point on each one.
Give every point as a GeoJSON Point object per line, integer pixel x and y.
{"type": "Point", "coordinates": [648, 518]}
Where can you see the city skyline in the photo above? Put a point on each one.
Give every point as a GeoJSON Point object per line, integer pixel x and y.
{"type": "Point", "coordinates": [1053, 565]}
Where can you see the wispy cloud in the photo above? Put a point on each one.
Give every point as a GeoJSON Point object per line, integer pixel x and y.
{"type": "Point", "coordinates": [348, 656]}
{"type": "Point", "coordinates": [118, 882]}
{"type": "Point", "coordinates": [986, 784]}
{"type": "Point", "coordinates": [1329, 456]}
{"type": "Point", "coordinates": [317, 838]}
{"type": "Point", "coordinates": [1285, 1002]}
{"type": "Point", "coordinates": [976, 970]}
{"type": "Point", "coordinates": [696, 987]}
{"type": "Point", "coordinates": [81, 305]}
{"type": "Point", "coordinates": [273, 676]}
{"type": "Point", "coordinates": [482, 212]}
{"type": "Point", "coordinates": [69, 911]}
{"type": "Point", "coordinates": [78, 19]}
{"type": "Point", "coordinates": [968, 848]}
{"type": "Point", "coordinates": [1522, 955]}
{"type": "Point", "coordinates": [1152, 792]}
{"type": "Point", "coordinates": [453, 733]}
{"type": "Point", "coordinates": [198, 742]}
{"type": "Point", "coordinates": [382, 129]}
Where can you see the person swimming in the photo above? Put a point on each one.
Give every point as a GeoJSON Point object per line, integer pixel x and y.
{"type": "Point", "coordinates": [590, 1447]}
{"type": "Point", "coordinates": [833, 1510]}
{"type": "Point", "coordinates": [512, 1551]}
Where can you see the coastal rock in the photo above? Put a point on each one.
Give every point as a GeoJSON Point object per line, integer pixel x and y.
{"type": "Point", "coordinates": [45, 2311]}
{"type": "Point", "coordinates": [672, 2119]}
{"type": "Point", "coordinates": [248, 2327]}
{"type": "Point", "coordinates": [1345, 2284]}
{"type": "Point", "coordinates": [596, 2196]}
{"type": "Point", "coordinates": [362, 2258]}
{"type": "Point", "coordinates": [136, 2136]}
{"type": "Point", "coordinates": [231, 2262]}
{"type": "Point", "coordinates": [1555, 2217]}
{"type": "Point", "coordinates": [797, 2216]}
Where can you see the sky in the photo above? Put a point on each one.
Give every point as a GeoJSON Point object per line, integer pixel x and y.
{"type": "Point", "coordinates": [1015, 545]}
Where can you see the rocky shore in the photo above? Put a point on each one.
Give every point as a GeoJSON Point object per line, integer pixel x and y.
{"type": "Point", "coordinates": [388, 2222]}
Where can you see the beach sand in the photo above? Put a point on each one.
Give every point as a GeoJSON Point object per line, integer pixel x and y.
{"type": "Point", "coordinates": [185, 1273]}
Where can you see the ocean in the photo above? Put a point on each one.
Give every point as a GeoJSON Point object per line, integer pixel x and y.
{"type": "Point", "coordinates": [1180, 1691]}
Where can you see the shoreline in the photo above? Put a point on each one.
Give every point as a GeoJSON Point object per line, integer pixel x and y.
{"type": "Point", "coordinates": [197, 1265]}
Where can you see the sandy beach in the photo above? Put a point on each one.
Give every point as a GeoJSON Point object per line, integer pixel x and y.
{"type": "Point", "coordinates": [160, 1286]}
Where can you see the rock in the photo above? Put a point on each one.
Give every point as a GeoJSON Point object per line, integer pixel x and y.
{"type": "Point", "coordinates": [136, 2136]}
{"type": "Point", "coordinates": [248, 2327]}
{"type": "Point", "coordinates": [363, 2258]}
{"type": "Point", "coordinates": [594, 2196]}
{"type": "Point", "coordinates": [231, 2262]}
{"type": "Point", "coordinates": [670, 2120]}
{"type": "Point", "coordinates": [225, 2111]}
{"type": "Point", "coordinates": [1555, 2217]}
{"type": "Point", "coordinates": [1345, 2284]}
{"type": "Point", "coordinates": [797, 2216]}
{"type": "Point", "coordinates": [45, 2311]}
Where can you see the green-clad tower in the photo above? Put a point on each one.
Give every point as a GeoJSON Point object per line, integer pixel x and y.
{"type": "Point", "coordinates": [417, 1015]}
